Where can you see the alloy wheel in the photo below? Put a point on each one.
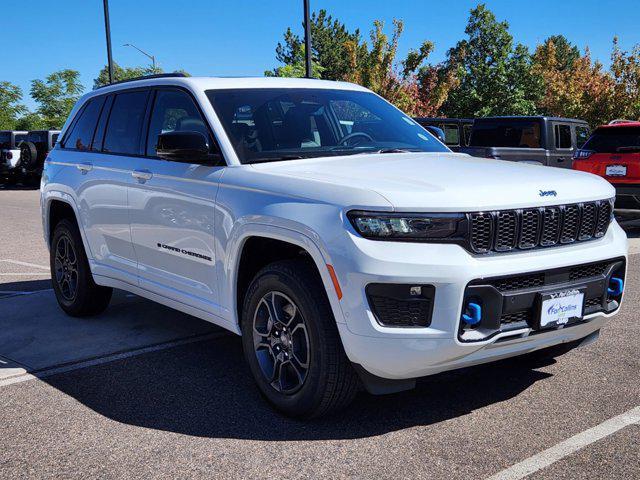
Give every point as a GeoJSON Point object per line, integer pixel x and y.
{"type": "Point", "coordinates": [281, 342]}
{"type": "Point", "coordinates": [66, 268]}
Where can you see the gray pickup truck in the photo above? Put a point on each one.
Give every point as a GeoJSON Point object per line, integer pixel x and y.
{"type": "Point", "coordinates": [549, 141]}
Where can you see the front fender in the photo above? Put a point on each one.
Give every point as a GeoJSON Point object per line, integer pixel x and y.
{"type": "Point", "coordinates": [276, 229]}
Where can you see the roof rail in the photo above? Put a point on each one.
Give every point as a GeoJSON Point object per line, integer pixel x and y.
{"type": "Point", "coordinates": [619, 120]}
{"type": "Point", "coordinates": [147, 77]}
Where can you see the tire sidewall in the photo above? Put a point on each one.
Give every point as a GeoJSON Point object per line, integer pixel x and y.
{"type": "Point", "coordinates": [310, 395]}
{"type": "Point", "coordinates": [66, 228]}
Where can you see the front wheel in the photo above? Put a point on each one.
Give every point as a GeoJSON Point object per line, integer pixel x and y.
{"type": "Point", "coordinates": [76, 292]}
{"type": "Point", "coordinates": [291, 342]}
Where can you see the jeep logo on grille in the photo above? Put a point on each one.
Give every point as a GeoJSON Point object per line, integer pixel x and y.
{"type": "Point", "coordinates": [548, 193]}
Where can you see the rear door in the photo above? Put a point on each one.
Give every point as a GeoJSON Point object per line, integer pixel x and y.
{"type": "Point", "coordinates": [172, 207]}
{"type": "Point", "coordinates": [561, 145]}
{"type": "Point", "coordinates": [102, 156]}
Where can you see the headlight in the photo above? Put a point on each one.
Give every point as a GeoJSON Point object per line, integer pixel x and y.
{"type": "Point", "coordinates": [409, 227]}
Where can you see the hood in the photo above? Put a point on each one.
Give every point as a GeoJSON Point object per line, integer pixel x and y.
{"type": "Point", "coordinates": [448, 181]}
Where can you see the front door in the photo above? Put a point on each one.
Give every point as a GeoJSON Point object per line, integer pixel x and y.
{"type": "Point", "coordinates": [562, 152]}
{"type": "Point", "coordinates": [171, 207]}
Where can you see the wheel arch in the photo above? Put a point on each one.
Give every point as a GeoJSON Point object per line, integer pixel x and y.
{"type": "Point", "coordinates": [292, 243]}
{"type": "Point", "coordinates": [56, 206]}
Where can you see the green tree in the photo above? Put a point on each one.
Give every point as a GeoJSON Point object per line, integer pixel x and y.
{"type": "Point", "coordinates": [123, 73]}
{"type": "Point", "coordinates": [30, 121]}
{"type": "Point", "coordinates": [625, 68]}
{"type": "Point", "coordinates": [493, 75]}
{"type": "Point", "coordinates": [56, 96]}
{"type": "Point", "coordinates": [10, 106]}
{"type": "Point", "coordinates": [328, 39]}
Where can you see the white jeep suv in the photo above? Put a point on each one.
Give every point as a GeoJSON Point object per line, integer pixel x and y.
{"type": "Point", "coordinates": [346, 244]}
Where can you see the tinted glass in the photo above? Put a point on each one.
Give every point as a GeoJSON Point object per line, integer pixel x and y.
{"type": "Point", "coordinates": [506, 133]}
{"type": "Point", "coordinates": [174, 110]}
{"type": "Point", "coordinates": [563, 136]}
{"type": "Point", "coordinates": [466, 131]}
{"type": "Point", "coordinates": [286, 124]}
{"type": "Point", "coordinates": [81, 134]}
{"type": "Point", "coordinates": [451, 134]}
{"type": "Point", "coordinates": [614, 139]}
{"type": "Point", "coordinates": [20, 138]}
{"type": "Point", "coordinates": [582, 135]}
{"type": "Point", "coordinates": [125, 123]}
{"type": "Point", "coordinates": [102, 122]}
{"type": "Point", "coordinates": [54, 138]}
{"type": "Point", "coordinates": [37, 137]}
{"type": "Point", "coordinates": [5, 139]}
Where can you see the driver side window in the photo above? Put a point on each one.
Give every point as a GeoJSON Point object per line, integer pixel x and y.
{"type": "Point", "coordinates": [173, 111]}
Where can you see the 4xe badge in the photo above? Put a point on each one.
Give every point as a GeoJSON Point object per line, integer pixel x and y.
{"type": "Point", "coordinates": [548, 193]}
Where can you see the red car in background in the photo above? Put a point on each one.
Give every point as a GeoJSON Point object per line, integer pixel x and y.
{"type": "Point", "coordinates": [613, 152]}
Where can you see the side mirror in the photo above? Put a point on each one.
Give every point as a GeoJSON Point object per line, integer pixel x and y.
{"type": "Point", "coordinates": [436, 132]}
{"type": "Point", "coordinates": [186, 147]}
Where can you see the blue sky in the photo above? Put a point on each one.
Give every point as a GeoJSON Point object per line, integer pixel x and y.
{"type": "Point", "coordinates": [208, 37]}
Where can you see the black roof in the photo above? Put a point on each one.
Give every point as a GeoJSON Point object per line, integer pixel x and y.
{"type": "Point", "coordinates": [533, 117]}
{"type": "Point", "coordinates": [443, 119]}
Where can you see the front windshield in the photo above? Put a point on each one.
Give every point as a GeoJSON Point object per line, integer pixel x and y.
{"type": "Point", "coordinates": [269, 124]}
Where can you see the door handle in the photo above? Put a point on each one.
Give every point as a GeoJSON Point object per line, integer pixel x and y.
{"type": "Point", "coordinates": [84, 167]}
{"type": "Point", "coordinates": [142, 175]}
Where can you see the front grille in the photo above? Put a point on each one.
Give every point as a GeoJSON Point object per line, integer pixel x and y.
{"type": "Point", "coordinates": [538, 279]}
{"type": "Point", "coordinates": [516, 317]}
{"type": "Point", "coordinates": [506, 230]}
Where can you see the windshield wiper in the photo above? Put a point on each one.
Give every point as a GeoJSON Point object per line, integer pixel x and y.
{"type": "Point", "coordinates": [630, 148]}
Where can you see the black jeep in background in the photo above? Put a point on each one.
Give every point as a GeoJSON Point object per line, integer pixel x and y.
{"type": "Point", "coordinates": [33, 151]}
{"type": "Point", "coordinates": [10, 155]}
{"type": "Point", "coordinates": [456, 130]}
{"type": "Point", "coordinates": [549, 141]}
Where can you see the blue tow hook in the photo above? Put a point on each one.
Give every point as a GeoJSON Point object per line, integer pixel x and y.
{"type": "Point", "coordinates": [616, 286]}
{"type": "Point", "coordinates": [474, 316]}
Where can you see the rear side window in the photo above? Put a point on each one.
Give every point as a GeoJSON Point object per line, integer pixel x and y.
{"type": "Point", "coordinates": [81, 134]}
{"type": "Point", "coordinates": [582, 135]}
{"type": "Point", "coordinates": [174, 111]}
{"type": "Point", "coordinates": [614, 140]}
{"type": "Point", "coordinates": [466, 132]}
{"type": "Point", "coordinates": [125, 123]}
{"type": "Point", "coordinates": [451, 134]}
{"type": "Point", "coordinates": [563, 136]}
{"type": "Point", "coordinates": [506, 133]}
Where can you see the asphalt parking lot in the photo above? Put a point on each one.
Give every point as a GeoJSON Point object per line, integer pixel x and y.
{"type": "Point", "coordinates": [143, 391]}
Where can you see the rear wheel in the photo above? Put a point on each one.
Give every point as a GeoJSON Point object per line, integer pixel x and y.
{"type": "Point", "coordinates": [291, 342]}
{"type": "Point", "coordinates": [76, 292]}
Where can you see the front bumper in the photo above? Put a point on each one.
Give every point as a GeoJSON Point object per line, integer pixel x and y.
{"type": "Point", "coordinates": [401, 353]}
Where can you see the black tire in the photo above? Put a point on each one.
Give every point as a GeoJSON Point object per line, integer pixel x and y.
{"type": "Point", "coordinates": [330, 382]}
{"type": "Point", "coordinates": [76, 292]}
{"type": "Point", "coordinates": [28, 155]}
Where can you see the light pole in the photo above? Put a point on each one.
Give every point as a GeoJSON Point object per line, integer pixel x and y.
{"type": "Point", "coordinates": [107, 28]}
{"type": "Point", "coordinates": [153, 59]}
{"type": "Point", "coordinates": [307, 39]}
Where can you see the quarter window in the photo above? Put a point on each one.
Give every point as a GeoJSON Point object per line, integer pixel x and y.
{"type": "Point", "coordinates": [174, 111]}
{"type": "Point", "coordinates": [125, 123]}
{"type": "Point", "coordinates": [563, 136]}
{"type": "Point", "coordinates": [82, 133]}
{"type": "Point", "coordinates": [451, 134]}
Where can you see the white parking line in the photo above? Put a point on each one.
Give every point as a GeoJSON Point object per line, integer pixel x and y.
{"type": "Point", "coordinates": [569, 446]}
{"type": "Point", "coordinates": [25, 264]}
{"type": "Point", "coordinates": [108, 358]}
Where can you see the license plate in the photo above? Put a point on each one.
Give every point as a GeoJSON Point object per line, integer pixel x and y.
{"type": "Point", "coordinates": [616, 170]}
{"type": "Point", "coordinates": [559, 307]}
